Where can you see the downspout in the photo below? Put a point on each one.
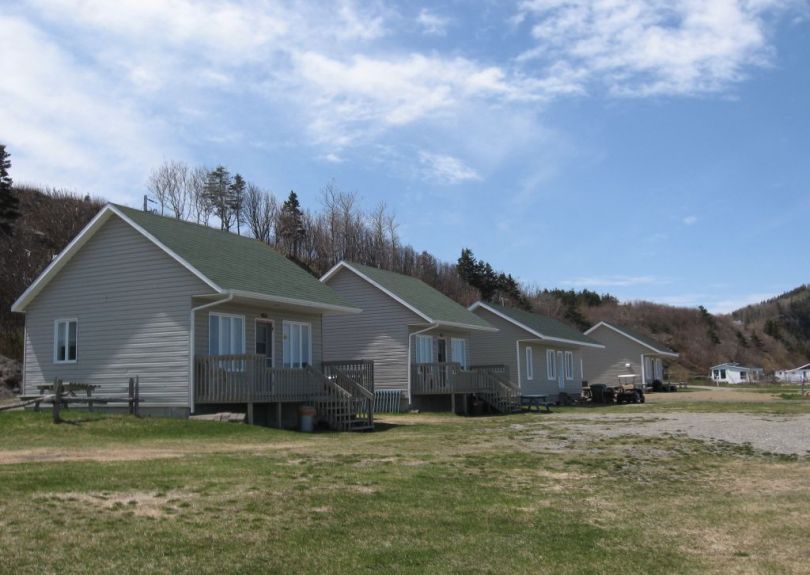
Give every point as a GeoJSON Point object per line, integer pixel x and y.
{"type": "Point", "coordinates": [410, 339]}
{"type": "Point", "coordinates": [191, 346]}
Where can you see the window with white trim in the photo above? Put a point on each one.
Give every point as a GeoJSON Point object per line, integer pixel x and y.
{"type": "Point", "coordinates": [551, 364]}
{"type": "Point", "coordinates": [226, 334]}
{"type": "Point", "coordinates": [297, 344]}
{"type": "Point", "coordinates": [65, 340]}
{"type": "Point", "coordinates": [529, 362]}
{"type": "Point", "coordinates": [458, 351]}
{"type": "Point", "coordinates": [569, 365]}
{"type": "Point", "coordinates": [424, 349]}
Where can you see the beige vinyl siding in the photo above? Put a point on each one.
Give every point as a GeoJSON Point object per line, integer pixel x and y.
{"type": "Point", "coordinates": [605, 365]}
{"type": "Point", "coordinates": [379, 333]}
{"type": "Point", "coordinates": [251, 314]}
{"type": "Point", "coordinates": [495, 348]}
{"type": "Point", "coordinates": [132, 303]}
{"type": "Point", "coordinates": [502, 348]}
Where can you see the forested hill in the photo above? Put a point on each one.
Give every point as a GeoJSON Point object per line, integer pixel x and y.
{"type": "Point", "coordinates": [773, 334]}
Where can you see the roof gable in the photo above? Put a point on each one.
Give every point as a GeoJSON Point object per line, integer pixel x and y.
{"type": "Point", "coordinates": [226, 262]}
{"type": "Point", "coordinates": [538, 325]}
{"type": "Point", "coordinates": [425, 301]}
{"type": "Point", "coordinates": [639, 338]}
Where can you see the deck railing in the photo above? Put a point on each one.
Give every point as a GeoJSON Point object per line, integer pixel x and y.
{"type": "Point", "coordinates": [443, 378]}
{"type": "Point", "coordinates": [247, 379]}
{"type": "Point", "coordinates": [489, 382]}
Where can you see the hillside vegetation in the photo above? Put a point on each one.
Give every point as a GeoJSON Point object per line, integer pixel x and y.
{"type": "Point", "coordinates": [773, 334]}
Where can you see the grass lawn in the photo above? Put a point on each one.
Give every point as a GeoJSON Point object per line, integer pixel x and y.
{"type": "Point", "coordinates": [426, 493]}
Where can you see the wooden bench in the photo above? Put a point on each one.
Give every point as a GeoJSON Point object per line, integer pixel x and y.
{"type": "Point", "coordinates": [536, 401]}
{"type": "Point", "coordinates": [70, 389]}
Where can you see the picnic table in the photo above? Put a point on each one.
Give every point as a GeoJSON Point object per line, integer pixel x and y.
{"type": "Point", "coordinates": [70, 388]}
{"type": "Point", "coordinates": [535, 400]}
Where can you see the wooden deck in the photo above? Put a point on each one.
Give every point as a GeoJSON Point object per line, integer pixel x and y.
{"type": "Point", "coordinates": [489, 382]}
{"type": "Point", "coordinates": [342, 392]}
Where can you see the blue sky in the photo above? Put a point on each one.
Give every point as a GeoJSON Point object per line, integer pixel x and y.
{"type": "Point", "coordinates": [654, 150]}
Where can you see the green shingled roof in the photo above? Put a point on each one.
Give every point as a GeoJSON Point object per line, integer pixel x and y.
{"type": "Point", "coordinates": [416, 293]}
{"type": "Point", "coordinates": [542, 324]}
{"type": "Point", "coordinates": [235, 262]}
{"type": "Point", "coordinates": [655, 344]}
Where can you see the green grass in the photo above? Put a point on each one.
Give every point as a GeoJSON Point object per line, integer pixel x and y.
{"type": "Point", "coordinates": [428, 494]}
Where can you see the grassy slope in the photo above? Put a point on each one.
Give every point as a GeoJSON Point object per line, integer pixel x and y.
{"type": "Point", "coordinates": [428, 494]}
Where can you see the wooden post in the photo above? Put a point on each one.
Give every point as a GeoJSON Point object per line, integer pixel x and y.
{"type": "Point", "coordinates": [278, 415]}
{"type": "Point", "coordinates": [131, 398]}
{"type": "Point", "coordinates": [57, 400]}
{"type": "Point", "coordinates": [453, 403]}
{"type": "Point", "coordinates": [250, 413]}
{"type": "Point", "coordinates": [466, 407]}
{"type": "Point", "coordinates": [137, 396]}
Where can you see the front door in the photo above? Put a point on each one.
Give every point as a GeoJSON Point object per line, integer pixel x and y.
{"type": "Point", "coordinates": [264, 341]}
{"type": "Point", "coordinates": [560, 370]}
{"type": "Point", "coordinates": [442, 350]}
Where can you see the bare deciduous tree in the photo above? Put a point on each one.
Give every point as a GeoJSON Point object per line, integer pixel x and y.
{"type": "Point", "coordinates": [260, 210]}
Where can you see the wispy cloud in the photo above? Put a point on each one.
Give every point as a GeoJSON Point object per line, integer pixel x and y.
{"type": "Point", "coordinates": [614, 281]}
{"type": "Point", "coordinates": [690, 220]}
{"type": "Point", "coordinates": [646, 47]}
{"type": "Point", "coordinates": [715, 303]}
{"type": "Point", "coordinates": [432, 23]}
{"type": "Point", "coordinates": [446, 169]}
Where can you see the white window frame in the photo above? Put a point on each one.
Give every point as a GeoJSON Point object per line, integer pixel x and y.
{"type": "Point", "coordinates": [286, 328]}
{"type": "Point", "coordinates": [212, 315]}
{"type": "Point", "coordinates": [529, 363]}
{"type": "Point", "coordinates": [551, 365]}
{"type": "Point", "coordinates": [272, 337]}
{"type": "Point", "coordinates": [426, 342]}
{"type": "Point", "coordinates": [569, 365]}
{"type": "Point", "coordinates": [66, 322]}
{"type": "Point", "coordinates": [453, 341]}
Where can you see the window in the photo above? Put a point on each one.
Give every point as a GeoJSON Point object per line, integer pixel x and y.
{"type": "Point", "coordinates": [716, 373]}
{"type": "Point", "coordinates": [529, 363]}
{"type": "Point", "coordinates": [722, 374]}
{"type": "Point", "coordinates": [743, 375]}
{"type": "Point", "coordinates": [551, 364]}
{"type": "Point", "coordinates": [569, 365]}
{"type": "Point", "coordinates": [65, 333]}
{"type": "Point", "coordinates": [297, 344]}
{"type": "Point", "coordinates": [458, 351]}
{"type": "Point", "coordinates": [424, 349]}
{"type": "Point", "coordinates": [226, 334]}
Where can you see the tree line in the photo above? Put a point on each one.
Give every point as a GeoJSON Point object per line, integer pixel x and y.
{"type": "Point", "coordinates": [35, 225]}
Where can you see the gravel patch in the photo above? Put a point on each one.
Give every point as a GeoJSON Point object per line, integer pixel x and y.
{"type": "Point", "coordinates": [787, 434]}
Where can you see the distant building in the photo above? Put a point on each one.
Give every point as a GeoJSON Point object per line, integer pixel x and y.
{"type": "Point", "coordinates": [796, 375]}
{"type": "Point", "coordinates": [735, 373]}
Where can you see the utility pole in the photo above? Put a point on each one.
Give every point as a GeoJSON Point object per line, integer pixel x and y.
{"type": "Point", "coordinates": [146, 201]}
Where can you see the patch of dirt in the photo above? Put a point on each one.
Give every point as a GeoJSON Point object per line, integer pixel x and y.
{"type": "Point", "coordinates": [712, 394]}
{"type": "Point", "coordinates": [113, 453]}
{"type": "Point", "coordinates": [140, 503]}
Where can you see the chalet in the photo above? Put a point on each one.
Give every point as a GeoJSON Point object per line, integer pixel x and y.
{"type": "Point", "coordinates": [799, 374]}
{"type": "Point", "coordinates": [420, 339]}
{"type": "Point", "coordinates": [206, 319]}
{"type": "Point", "coordinates": [628, 356]}
{"type": "Point", "coordinates": [542, 355]}
{"type": "Point", "coordinates": [735, 373]}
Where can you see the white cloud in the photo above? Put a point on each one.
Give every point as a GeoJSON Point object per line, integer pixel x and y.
{"type": "Point", "coordinates": [64, 125]}
{"type": "Point", "coordinates": [647, 47]}
{"type": "Point", "coordinates": [719, 304]}
{"type": "Point", "coordinates": [446, 169]}
{"type": "Point", "coordinates": [614, 281]}
{"type": "Point", "coordinates": [432, 24]}
{"type": "Point", "coordinates": [690, 220]}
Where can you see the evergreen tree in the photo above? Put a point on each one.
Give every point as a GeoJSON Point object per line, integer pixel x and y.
{"type": "Point", "coordinates": [218, 193]}
{"type": "Point", "coordinates": [9, 203]}
{"type": "Point", "coordinates": [236, 200]}
{"type": "Point", "coordinates": [291, 223]}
